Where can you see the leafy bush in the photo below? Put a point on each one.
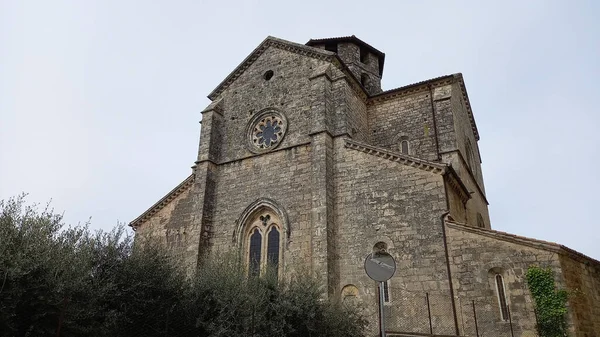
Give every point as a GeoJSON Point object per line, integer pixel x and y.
{"type": "Point", "coordinates": [550, 303]}
{"type": "Point", "coordinates": [67, 281]}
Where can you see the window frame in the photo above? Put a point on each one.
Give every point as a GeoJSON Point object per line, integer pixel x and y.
{"type": "Point", "coordinates": [264, 228]}
{"type": "Point", "coordinates": [504, 312]}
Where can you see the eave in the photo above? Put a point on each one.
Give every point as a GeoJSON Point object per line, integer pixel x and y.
{"type": "Point", "coordinates": [182, 187]}
{"type": "Point", "coordinates": [424, 85]}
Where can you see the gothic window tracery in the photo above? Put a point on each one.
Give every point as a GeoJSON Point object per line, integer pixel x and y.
{"type": "Point", "coordinates": [263, 245]}
{"type": "Point", "coordinates": [266, 131]}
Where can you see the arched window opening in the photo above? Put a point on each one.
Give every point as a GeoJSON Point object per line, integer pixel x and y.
{"type": "Point", "coordinates": [501, 297]}
{"type": "Point", "coordinates": [263, 244]}
{"type": "Point", "coordinates": [380, 247]}
{"type": "Point", "coordinates": [273, 251]}
{"type": "Point", "coordinates": [404, 146]}
{"type": "Point", "coordinates": [254, 253]}
{"type": "Point", "coordinates": [349, 293]}
{"type": "Point", "coordinates": [480, 222]}
{"type": "Point", "coordinates": [364, 53]}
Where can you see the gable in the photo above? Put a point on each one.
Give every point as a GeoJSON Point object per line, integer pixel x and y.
{"type": "Point", "coordinates": [256, 53]}
{"type": "Point", "coordinates": [299, 49]}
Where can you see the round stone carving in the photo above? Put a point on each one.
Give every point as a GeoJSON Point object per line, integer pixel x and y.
{"type": "Point", "coordinates": [266, 131]}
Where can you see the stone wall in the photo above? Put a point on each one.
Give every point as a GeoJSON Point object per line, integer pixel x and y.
{"type": "Point", "coordinates": [380, 200]}
{"type": "Point", "coordinates": [280, 176]}
{"type": "Point", "coordinates": [472, 179]}
{"type": "Point", "coordinates": [408, 115]}
{"type": "Point", "coordinates": [476, 256]}
{"type": "Point", "coordinates": [582, 279]}
{"type": "Point", "coordinates": [289, 91]}
{"type": "Point", "coordinates": [166, 225]}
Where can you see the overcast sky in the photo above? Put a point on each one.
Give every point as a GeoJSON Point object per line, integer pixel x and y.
{"type": "Point", "coordinates": [100, 100]}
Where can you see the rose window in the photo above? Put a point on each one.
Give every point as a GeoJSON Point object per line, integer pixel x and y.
{"type": "Point", "coordinates": [266, 130]}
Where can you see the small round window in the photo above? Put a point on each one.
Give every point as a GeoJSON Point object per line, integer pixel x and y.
{"type": "Point", "coordinates": [268, 75]}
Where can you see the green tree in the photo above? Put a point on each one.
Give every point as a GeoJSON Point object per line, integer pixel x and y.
{"type": "Point", "coordinates": [57, 280]}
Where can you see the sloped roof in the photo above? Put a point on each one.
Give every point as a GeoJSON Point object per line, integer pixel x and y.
{"type": "Point", "coordinates": [182, 187]}
{"type": "Point", "coordinates": [458, 77]}
{"type": "Point", "coordinates": [534, 243]}
{"type": "Point", "coordinates": [396, 156]}
{"type": "Point", "coordinates": [438, 168]}
{"type": "Point", "coordinates": [270, 41]}
{"type": "Point", "coordinates": [351, 39]}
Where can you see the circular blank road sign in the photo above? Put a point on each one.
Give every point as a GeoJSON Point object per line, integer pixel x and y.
{"type": "Point", "coordinates": [380, 266]}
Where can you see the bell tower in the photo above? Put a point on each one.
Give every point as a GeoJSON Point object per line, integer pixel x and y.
{"type": "Point", "coordinates": [364, 61]}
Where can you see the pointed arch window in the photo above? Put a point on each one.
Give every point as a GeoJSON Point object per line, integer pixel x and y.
{"type": "Point", "coordinates": [501, 297]}
{"type": "Point", "coordinates": [273, 250]}
{"type": "Point", "coordinates": [255, 252]}
{"type": "Point", "coordinates": [263, 247]}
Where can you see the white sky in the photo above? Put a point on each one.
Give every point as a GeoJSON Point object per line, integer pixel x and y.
{"type": "Point", "coordinates": [100, 100]}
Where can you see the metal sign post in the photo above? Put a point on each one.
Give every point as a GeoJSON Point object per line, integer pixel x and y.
{"type": "Point", "coordinates": [381, 315]}
{"type": "Point", "coordinates": [380, 266]}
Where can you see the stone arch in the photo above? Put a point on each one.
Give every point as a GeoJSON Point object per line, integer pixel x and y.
{"type": "Point", "coordinates": [369, 245]}
{"type": "Point", "coordinates": [349, 292]}
{"type": "Point", "coordinates": [498, 282]}
{"type": "Point", "coordinates": [255, 207]}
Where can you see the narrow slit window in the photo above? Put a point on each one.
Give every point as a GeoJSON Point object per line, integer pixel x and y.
{"type": "Point", "coordinates": [255, 252]}
{"type": "Point", "coordinates": [502, 297]}
{"type": "Point", "coordinates": [364, 79]}
{"type": "Point", "coordinates": [331, 47]}
{"type": "Point", "coordinates": [363, 55]}
{"type": "Point", "coordinates": [404, 146]}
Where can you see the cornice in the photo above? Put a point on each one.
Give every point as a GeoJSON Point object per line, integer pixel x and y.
{"type": "Point", "coordinates": [396, 157]}
{"type": "Point", "coordinates": [457, 185]}
{"type": "Point", "coordinates": [423, 86]}
{"type": "Point", "coordinates": [174, 193]}
{"type": "Point", "coordinates": [525, 241]}
{"type": "Point", "coordinates": [412, 88]}
{"type": "Point", "coordinates": [465, 95]}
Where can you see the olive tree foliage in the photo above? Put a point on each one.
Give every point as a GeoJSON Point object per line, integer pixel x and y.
{"type": "Point", "coordinates": [58, 280]}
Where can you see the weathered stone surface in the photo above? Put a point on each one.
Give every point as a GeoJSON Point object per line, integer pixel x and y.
{"type": "Point", "coordinates": [339, 183]}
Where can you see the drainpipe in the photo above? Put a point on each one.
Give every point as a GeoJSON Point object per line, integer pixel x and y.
{"type": "Point", "coordinates": [435, 129]}
{"type": "Point", "coordinates": [448, 263]}
{"type": "Point", "coordinates": [448, 258]}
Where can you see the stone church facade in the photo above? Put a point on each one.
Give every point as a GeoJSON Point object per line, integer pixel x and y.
{"type": "Point", "coordinates": [305, 161]}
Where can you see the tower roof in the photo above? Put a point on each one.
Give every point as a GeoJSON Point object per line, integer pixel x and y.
{"type": "Point", "coordinates": [351, 39]}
